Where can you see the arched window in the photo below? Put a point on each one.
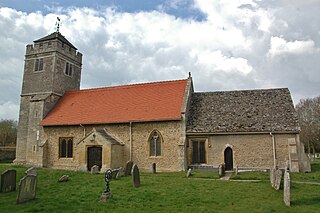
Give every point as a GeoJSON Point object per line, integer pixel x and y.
{"type": "Point", "coordinates": [70, 148]}
{"type": "Point", "coordinates": [65, 147]}
{"type": "Point", "coordinates": [155, 141]}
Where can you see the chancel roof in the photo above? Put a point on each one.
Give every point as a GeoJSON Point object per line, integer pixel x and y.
{"type": "Point", "coordinates": [155, 101]}
{"type": "Point", "coordinates": [268, 110]}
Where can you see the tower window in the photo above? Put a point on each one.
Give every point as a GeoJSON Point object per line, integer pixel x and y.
{"type": "Point", "coordinates": [38, 65]}
{"type": "Point", "coordinates": [69, 69]}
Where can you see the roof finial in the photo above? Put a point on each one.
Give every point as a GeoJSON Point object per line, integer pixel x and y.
{"type": "Point", "coordinates": [58, 24]}
{"type": "Point", "coordinates": [189, 74]}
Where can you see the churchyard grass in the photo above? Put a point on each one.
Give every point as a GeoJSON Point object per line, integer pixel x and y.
{"type": "Point", "coordinates": [160, 192]}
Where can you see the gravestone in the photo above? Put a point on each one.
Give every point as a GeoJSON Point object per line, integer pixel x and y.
{"type": "Point", "coordinates": [277, 179]}
{"type": "Point", "coordinates": [128, 168]}
{"type": "Point", "coordinates": [287, 166]}
{"type": "Point", "coordinates": [154, 168]}
{"type": "Point", "coordinates": [120, 173]}
{"type": "Point", "coordinates": [189, 172]}
{"type": "Point", "coordinates": [31, 171]}
{"type": "Point", "coordinates": [27, 189]}
{"type": "Point", "coordinates": [237, 170]}
{"type": "Point", "coordinates": [221, 170]}
{"type": "Point", "coordinates": [63, 178]}
{"type": "Point", "coordinates": [272, 176]}
{"type": "Point", "coordinates": [135, 176]}
{"type": "Point", "coordinates": [286, 190]}
{"type": "Point", "coordinates": [114, 173]}
{"type": "Point", "coordinates": [94, 169]}
{"type": "Point", "coordinates": [8, 180]}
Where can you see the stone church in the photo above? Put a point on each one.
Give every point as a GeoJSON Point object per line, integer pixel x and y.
{"type": "Point", "coordinates": [167, 123]}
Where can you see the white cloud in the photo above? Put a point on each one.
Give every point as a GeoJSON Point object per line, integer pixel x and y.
{"type": "Point", "coordinates": [233, 48]}
{"type": "Point", "coordinates": [9, 110]}
{"type": "Point", "coordinates": [280, 46]}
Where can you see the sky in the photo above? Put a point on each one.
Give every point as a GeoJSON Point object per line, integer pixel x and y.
{"type": "Point", "coordinates": [225, 44]}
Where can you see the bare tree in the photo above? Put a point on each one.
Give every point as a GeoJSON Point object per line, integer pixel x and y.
{"type": "Point", "coordinates": [308, 111]}
{"type": "Point", "coordinates": [8, 132]}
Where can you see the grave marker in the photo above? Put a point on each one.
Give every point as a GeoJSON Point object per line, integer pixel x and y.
{"type": "Point", "coordinates": [8, 181]}
{"type": "Point", "coordinates": [286, 190]}
{"type": "Point", "coordinates": [277, 180]}
{"type": "Point", "coordinates": [189, 172]}
{"type": "Point", "coordinates": [135, 176]}
{"type": "Point", "coordinates": [128, 168]}
{"type": "Point", "coordinates": [27, 189]}
{"type": "Point", "coordinates": [154, 168]}
{"type": "Point", "coordinates": [31, 171]}
{"type": "Point", "coordinates": [94, 169]}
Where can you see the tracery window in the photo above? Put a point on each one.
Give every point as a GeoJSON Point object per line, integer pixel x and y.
{"type": "Point", "coordinates": [65, 147]}
{"type": "Point", "coordinates": [155, 141]}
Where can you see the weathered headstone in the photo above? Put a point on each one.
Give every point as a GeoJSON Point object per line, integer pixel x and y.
{"type": "Point", "coordinates": [114, 173]}
{"type": "Point", "coordinates": [31, 171]}
{"type": "Point", "coordinates": [287, 166]}
{"type": "Point", "coordinates": [154, 168]}
{"type": "Point", "coordinates": [128, 168]}
{"type": "Point", "coordinates": [189, 172]}
{"type": "Point", "coordinates": [63, 178]}
{"type": "Point", "coordinates": [135, 176]}
{"type": "Point", "coordinates": [272, 176]}
{"type": "Point", "coordinates": [286, 190]}
{"type": "Point", "coordinates": [27, 189]}
{"type": "Point", "coordinates": [120, 173]}
{"type": "Point", "coordinates": [94, 169]}
{"type": "Point", "coordinates": [277, 180]}
{"type": "Point", "coordinates": [8, 180]}
{"type": "Point", "coordinates": [221, 170]}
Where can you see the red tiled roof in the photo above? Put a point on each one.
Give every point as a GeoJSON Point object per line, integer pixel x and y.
{"type": "Point", "coordinates": [138, 102]}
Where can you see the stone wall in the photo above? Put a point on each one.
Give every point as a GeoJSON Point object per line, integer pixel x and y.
{"type": "Point", "coordinates": [7, 153]}
{"type": "Point", "coordinates": [249, 150]}
{"type": "Point", "coordinates": [171, 132]}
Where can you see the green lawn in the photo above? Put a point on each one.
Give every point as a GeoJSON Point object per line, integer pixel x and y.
{"type": "Point", "coordinates": [161, 192]}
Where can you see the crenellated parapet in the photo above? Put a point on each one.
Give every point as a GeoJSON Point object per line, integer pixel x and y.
{"type": "Point", "coordinates": [40, 48]}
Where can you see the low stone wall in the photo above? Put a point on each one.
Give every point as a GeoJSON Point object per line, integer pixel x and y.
{"type": "Point", "coordinates": [7, 153]}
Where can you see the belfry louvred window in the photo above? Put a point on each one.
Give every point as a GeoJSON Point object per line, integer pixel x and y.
{"type": "Point", "coordinates": [69, 69]}
{"type": "Point", "coordinates": [38, 65]}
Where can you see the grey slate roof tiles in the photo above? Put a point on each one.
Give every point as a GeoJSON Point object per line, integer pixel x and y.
{"type": "Point", "coordinates": [268, 110]}
{"type": "Point", "coordinates": [55, 35]}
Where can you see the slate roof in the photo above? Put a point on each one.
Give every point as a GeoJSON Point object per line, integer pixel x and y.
{"type": "Point", "coordinates": [268, 110]}
{"type": "Point", "coordinates": [120, 104]}
{"type": "Point", "coordinates": [55, 35]}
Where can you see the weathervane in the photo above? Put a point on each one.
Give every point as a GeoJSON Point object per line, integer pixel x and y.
{"type": "Point", "coordinates": [58, 24]}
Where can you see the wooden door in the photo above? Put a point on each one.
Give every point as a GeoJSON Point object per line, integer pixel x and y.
{"type": "Point", "coordinates": [198, 152]}
{"type": "Point", "coordinates": [94, 157]}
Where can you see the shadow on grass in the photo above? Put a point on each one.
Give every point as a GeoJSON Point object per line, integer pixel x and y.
{"type": "Point", "coordinates": [306, 201]}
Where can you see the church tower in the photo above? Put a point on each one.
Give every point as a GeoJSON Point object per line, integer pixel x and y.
{"type": "Point", "coordinates": [52, 66]}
